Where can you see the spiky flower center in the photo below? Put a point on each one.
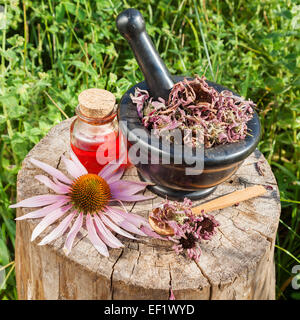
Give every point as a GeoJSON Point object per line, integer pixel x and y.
{"type": "Point", "coordinates": [206, 224]}
{"type": "Point", "coordinates": [189, 242]}
{"type": "Point", "coordinates": [90, 193]}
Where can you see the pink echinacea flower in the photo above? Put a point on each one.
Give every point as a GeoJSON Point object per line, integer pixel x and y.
{"type": "Point", "coordinates": [85, 200]}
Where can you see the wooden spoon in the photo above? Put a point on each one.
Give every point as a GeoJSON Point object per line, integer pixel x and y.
{"type": "Point", "coordinates": [219, 203]}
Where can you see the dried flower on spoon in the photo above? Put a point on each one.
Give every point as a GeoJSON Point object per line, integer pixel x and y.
{"type": "Point", "coordinates": [181, 223]}
{"type": "Point", "coordinates": [187, 229]}
{"type": "Point", "coordinates": [199, 110]}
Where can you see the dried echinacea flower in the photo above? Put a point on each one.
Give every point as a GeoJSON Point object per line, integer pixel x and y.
{"type": "Point", "coordinates": [88, 199]}
{"type": "Point", "coordinates": [172, 210]}
{"type": "Point", "coordinates": [206, 225]}
{"type": "Point", "coordinates": [187, 240]}
{"type": "Point", "coordinates": [188, 236]}
{"type": "Point", "coordinates": [202, 113]}
{"type": "Point", "coordinates": [189, 229]}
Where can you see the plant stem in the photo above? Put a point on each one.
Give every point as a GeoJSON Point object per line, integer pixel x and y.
{"type": "Point", "coordinates": [204, 42]}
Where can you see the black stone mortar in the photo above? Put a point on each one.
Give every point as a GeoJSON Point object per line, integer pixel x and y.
{"type": "Point", "coordinates": [171, 180]}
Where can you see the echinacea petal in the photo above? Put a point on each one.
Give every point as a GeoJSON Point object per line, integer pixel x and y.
{"type": "Point", "coordinates": [53, 186]}
{"type": "Point", "coordinates": [134, 198]}
{"type": "Point", "coordinates": [44, 211]}
{"type": "Point", "coordinates": [115, 228]}
{"type": "Point", "coordinates": [126, 188]}
{"type": "Point", "coordinates": [48, 220]}
{"type": "Point", "coordinates": [172, 297]}
{"type": "Point", "coordinates": [71, 167]}
{"type": "Point", "coordinates": [79, 165]}
{"type": "Point", "coordinates": [120, 202]}
{"type": "Point", "coordinates": [73, 233]}
{"type": "Point", "coordinates": [39, 201]}
{"type": "Point", "coordinates": [115, 176]}
{"type": "Point", "coordinates": [131, 217]}
{"type": "Point", "coordinates": [50, 170]}
{"type": "Point", "coordinates": [106, 235]}
{"type": "Point", "coordinates": [124, 224]}
{"type": "Point", "coordinates": [94, 238]}
{"type": "Point", "coordinates": [63, 185]}
{"type": "Point", "coordinates": [110, 169]}
{"type": "Point", "coordinates": [149, 232]}
{"type": "Point", "coordinates": [59, 230]}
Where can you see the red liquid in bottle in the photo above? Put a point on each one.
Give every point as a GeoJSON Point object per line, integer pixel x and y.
{"type": "Point", "coordinates": [89, 158]}
{"type": "Point", "coordinates": [94, 152]}
{"type": "Point", "coordinates": [94, 134]}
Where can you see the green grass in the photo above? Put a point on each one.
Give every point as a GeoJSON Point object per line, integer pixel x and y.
{"type": "Point", "coordinates": [52, 50]}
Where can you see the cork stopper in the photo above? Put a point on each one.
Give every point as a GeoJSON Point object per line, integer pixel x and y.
{"type": "Point", "coordinates": [96, 103]}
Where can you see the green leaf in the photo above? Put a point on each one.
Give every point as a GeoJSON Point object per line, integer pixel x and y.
{"type": "Point", "coordinates": [111, 51]}
{"type": "Point", "coordinates": [286, 171]}
{"type": "Point", "coordinates": [72, 8]}
{"type": "Point", "coordinates": [53, 29]}
{"type": "Point", "coordinates": [2, 19]}
{"type": "Point", "coordinates": [9, 54]}
{"type": "Point", "coordinates": [32, 133]}
{"type": "Point", "coordinates": [9, 101]}
{"type": "Point", "coordinates": [112, 80]}
{"type": "Point", "coordinates": [17, 112]}
{"type": "Point", "coordinates": [2, 119]}
{"type": "Point", "coordinates": [286, 14]}
{"type": "Point", "coordinates": [59, 12]}
{"type": "Point", "coordinates": [295, 295]}
{"type": "Point", "coordinates": [44, 127]}
{"type": "Point", "coordinates": [84, 67]}
{"type": "Point", "coordinates": [275, 84]}
{"type": "Point", "coordinates": [4, 254]}
{"type": "Point", "coordinates": [20, 145]}
{"type": "Point", "coordinates": [14, 110]}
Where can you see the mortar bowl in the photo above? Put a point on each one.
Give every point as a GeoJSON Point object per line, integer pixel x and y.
{"type": "Point", "coordinates": [171, 180]}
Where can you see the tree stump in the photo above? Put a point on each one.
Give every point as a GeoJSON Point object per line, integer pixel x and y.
{"type": "Point", "coordinates": [236, 264]}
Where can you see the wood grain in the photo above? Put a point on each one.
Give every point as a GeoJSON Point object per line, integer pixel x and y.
{"type": "Point", "coordinates": [236, 264]}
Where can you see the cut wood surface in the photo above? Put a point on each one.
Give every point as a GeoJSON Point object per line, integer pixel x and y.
{"type": "Point", "coordinates": [236, 264]}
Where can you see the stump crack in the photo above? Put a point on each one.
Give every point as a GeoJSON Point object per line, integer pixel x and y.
{"type": "Point", "coordinates": [79, 239]}
{"type": "Point", "coordinates": [58, 163]}
{"type": "Point", "coordinates": [136, 263]}
{"type": "Point", "coordinates": [246, 183]}
{"type": "Point", "coordinates": [112, 274]}
{"type": "Point", "coordinates": [264, 235]}
{"type": "Point", "coordinates": [227, 238]}
{"type": "Point", "coordinates": [170, 282]}
{"type": "Point", "coordinates": [208, 280]}
{"type": "Point", "coordinates": [268, 238]}
{"type": "Point", "coordinates": [59, 282]}
{"type": "Point", "coordinates": [234, 224]}
{"type": "Point", "coordinates": [239, 228]}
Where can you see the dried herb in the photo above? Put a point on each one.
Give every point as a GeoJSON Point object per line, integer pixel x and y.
{"type": "Point", "coordinates": [189, 230]}
{"type": "Point", "coordinates": [205, 115]}
{"type": "Point", "coordinates": [258, 166]}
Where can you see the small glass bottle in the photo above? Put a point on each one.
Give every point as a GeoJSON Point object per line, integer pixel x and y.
{"type": "Point", "coordinates": [94, 133]}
